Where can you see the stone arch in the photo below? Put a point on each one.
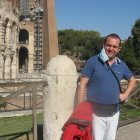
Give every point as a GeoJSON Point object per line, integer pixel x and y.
{"type": "Point", "coordinates": [23, 36]}
{"type": "Point", "coordinates": [23, 59]}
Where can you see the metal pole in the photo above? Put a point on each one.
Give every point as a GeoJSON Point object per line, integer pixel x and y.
{"type": "Point", "coordinates": [34, 106]}
{"type": "Point", "coordinates": [24, 100]}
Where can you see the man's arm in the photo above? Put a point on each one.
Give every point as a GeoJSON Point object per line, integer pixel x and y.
{"type": "Point", "coordinates": [81, 89]}
{"type": "Point", "coordinates": [131, 85]}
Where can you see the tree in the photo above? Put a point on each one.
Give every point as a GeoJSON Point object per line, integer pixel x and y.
{"type": "Point", "coordinates": [81, 44]}
{"type": "Point", "coordinates": [127, 54]}
{"type": "Point", "coordinates": [136, 38]}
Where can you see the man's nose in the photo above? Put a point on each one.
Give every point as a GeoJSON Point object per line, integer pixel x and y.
{"type": "Point", "coordinates": [111, 48]}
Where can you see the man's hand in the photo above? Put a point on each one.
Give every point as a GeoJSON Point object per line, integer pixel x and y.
{"type": "Point", "coordinates": [131, 85]}
{"type": "Point", "coordinates": [123, 97]}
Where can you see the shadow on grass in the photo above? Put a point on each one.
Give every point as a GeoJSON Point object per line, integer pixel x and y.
{"type": "Point", "coordinates": [16, 135]}
{"type": "Point", "coordinates": [26, 134]}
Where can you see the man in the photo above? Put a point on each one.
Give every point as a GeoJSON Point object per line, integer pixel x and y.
{"type": "Point", "coordinates": [103, 88]}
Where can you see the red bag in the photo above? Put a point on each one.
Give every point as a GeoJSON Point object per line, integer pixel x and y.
{"type": "Point", "coordinates": [78, 126]}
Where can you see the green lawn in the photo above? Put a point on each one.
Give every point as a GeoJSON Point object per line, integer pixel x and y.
{"type": "Point", "coordinates": [128, 112]}
{"type": "Point", "coordinates": [12, 125]}
{"type": "Point", "coordinates": [9, 126]}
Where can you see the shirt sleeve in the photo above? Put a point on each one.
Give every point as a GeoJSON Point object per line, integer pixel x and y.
{"type": "Point", "coordinates": [127, 72]}
{"type": "Point", "coordinates": [88, 68]}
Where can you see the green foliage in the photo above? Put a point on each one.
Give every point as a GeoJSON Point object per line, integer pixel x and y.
{"type": "Point", "coordinates": [133, 43]}
{"type": "Point", "coordinates": [127, 54]}
{"type": "Point", "coordinates": [136, 38]}
{"type": "Point", "coordinates": [81, 44]}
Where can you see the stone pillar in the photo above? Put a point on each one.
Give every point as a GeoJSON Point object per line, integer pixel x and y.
{"type": "Point", "coordinates": [1, 66]}
{"type": "Point", "coordinates": [8, 36]}
{"type": "Point", "coordinates": [13, 37]}
{"type": "Point", "coordinates": [30, 63]}
{"type": "Point", "coordinates": [13, 67]}
{"type": "Point", "coordinates": [0, 33]}
{"type": "Point", "coordinates": [7, 70]}
{"type": "Point", "coordinates": [3, 24]}
{"type": "Point", "coordinates": [31, 49]}
{"type": "Point", "coordinates": [59, 95]}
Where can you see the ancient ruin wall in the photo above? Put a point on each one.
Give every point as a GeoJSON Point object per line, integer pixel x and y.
{"type": "Point", "coordinates": [9, 21]}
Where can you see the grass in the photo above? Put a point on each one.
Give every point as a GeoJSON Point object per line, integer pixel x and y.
{"type": "Point", "coordinates": [13, 125]}
{"type": "Point", "coordinates": [9, 126]}
{"type": "Point", "coordinates": [128, 112]}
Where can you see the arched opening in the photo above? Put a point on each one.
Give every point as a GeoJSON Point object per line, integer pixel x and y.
{"type": "Point", "coordinates": [21, 18]}
{"type": "Point", "coordinates": [23, 60]}
{"type": "Point", "coordinates": [23, 36]}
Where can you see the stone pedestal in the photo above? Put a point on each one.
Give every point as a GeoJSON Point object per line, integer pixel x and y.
{"type": "Point", "coordinates": [59, 95]}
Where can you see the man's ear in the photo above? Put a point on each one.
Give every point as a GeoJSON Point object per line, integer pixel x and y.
{"type": "Point", "coordinates": [120, 48]}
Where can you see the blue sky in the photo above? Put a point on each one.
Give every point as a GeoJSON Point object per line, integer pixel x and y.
{"type": "Point", "coordinates": [103, 16]}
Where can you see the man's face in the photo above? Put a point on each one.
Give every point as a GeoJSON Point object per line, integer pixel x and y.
{"type": "Point", "coordinates": [112, 47]}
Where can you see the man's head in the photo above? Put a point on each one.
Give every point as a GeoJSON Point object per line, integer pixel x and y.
{"type": "Point", "coordinates": [112, 45]}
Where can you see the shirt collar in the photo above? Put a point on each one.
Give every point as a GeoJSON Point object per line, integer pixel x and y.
{"type": "Point", "coordinates": [117, 61]}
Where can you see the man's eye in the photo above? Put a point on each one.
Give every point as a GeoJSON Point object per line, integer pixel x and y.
{"type": "Point", "coordinates": [108, 45]}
